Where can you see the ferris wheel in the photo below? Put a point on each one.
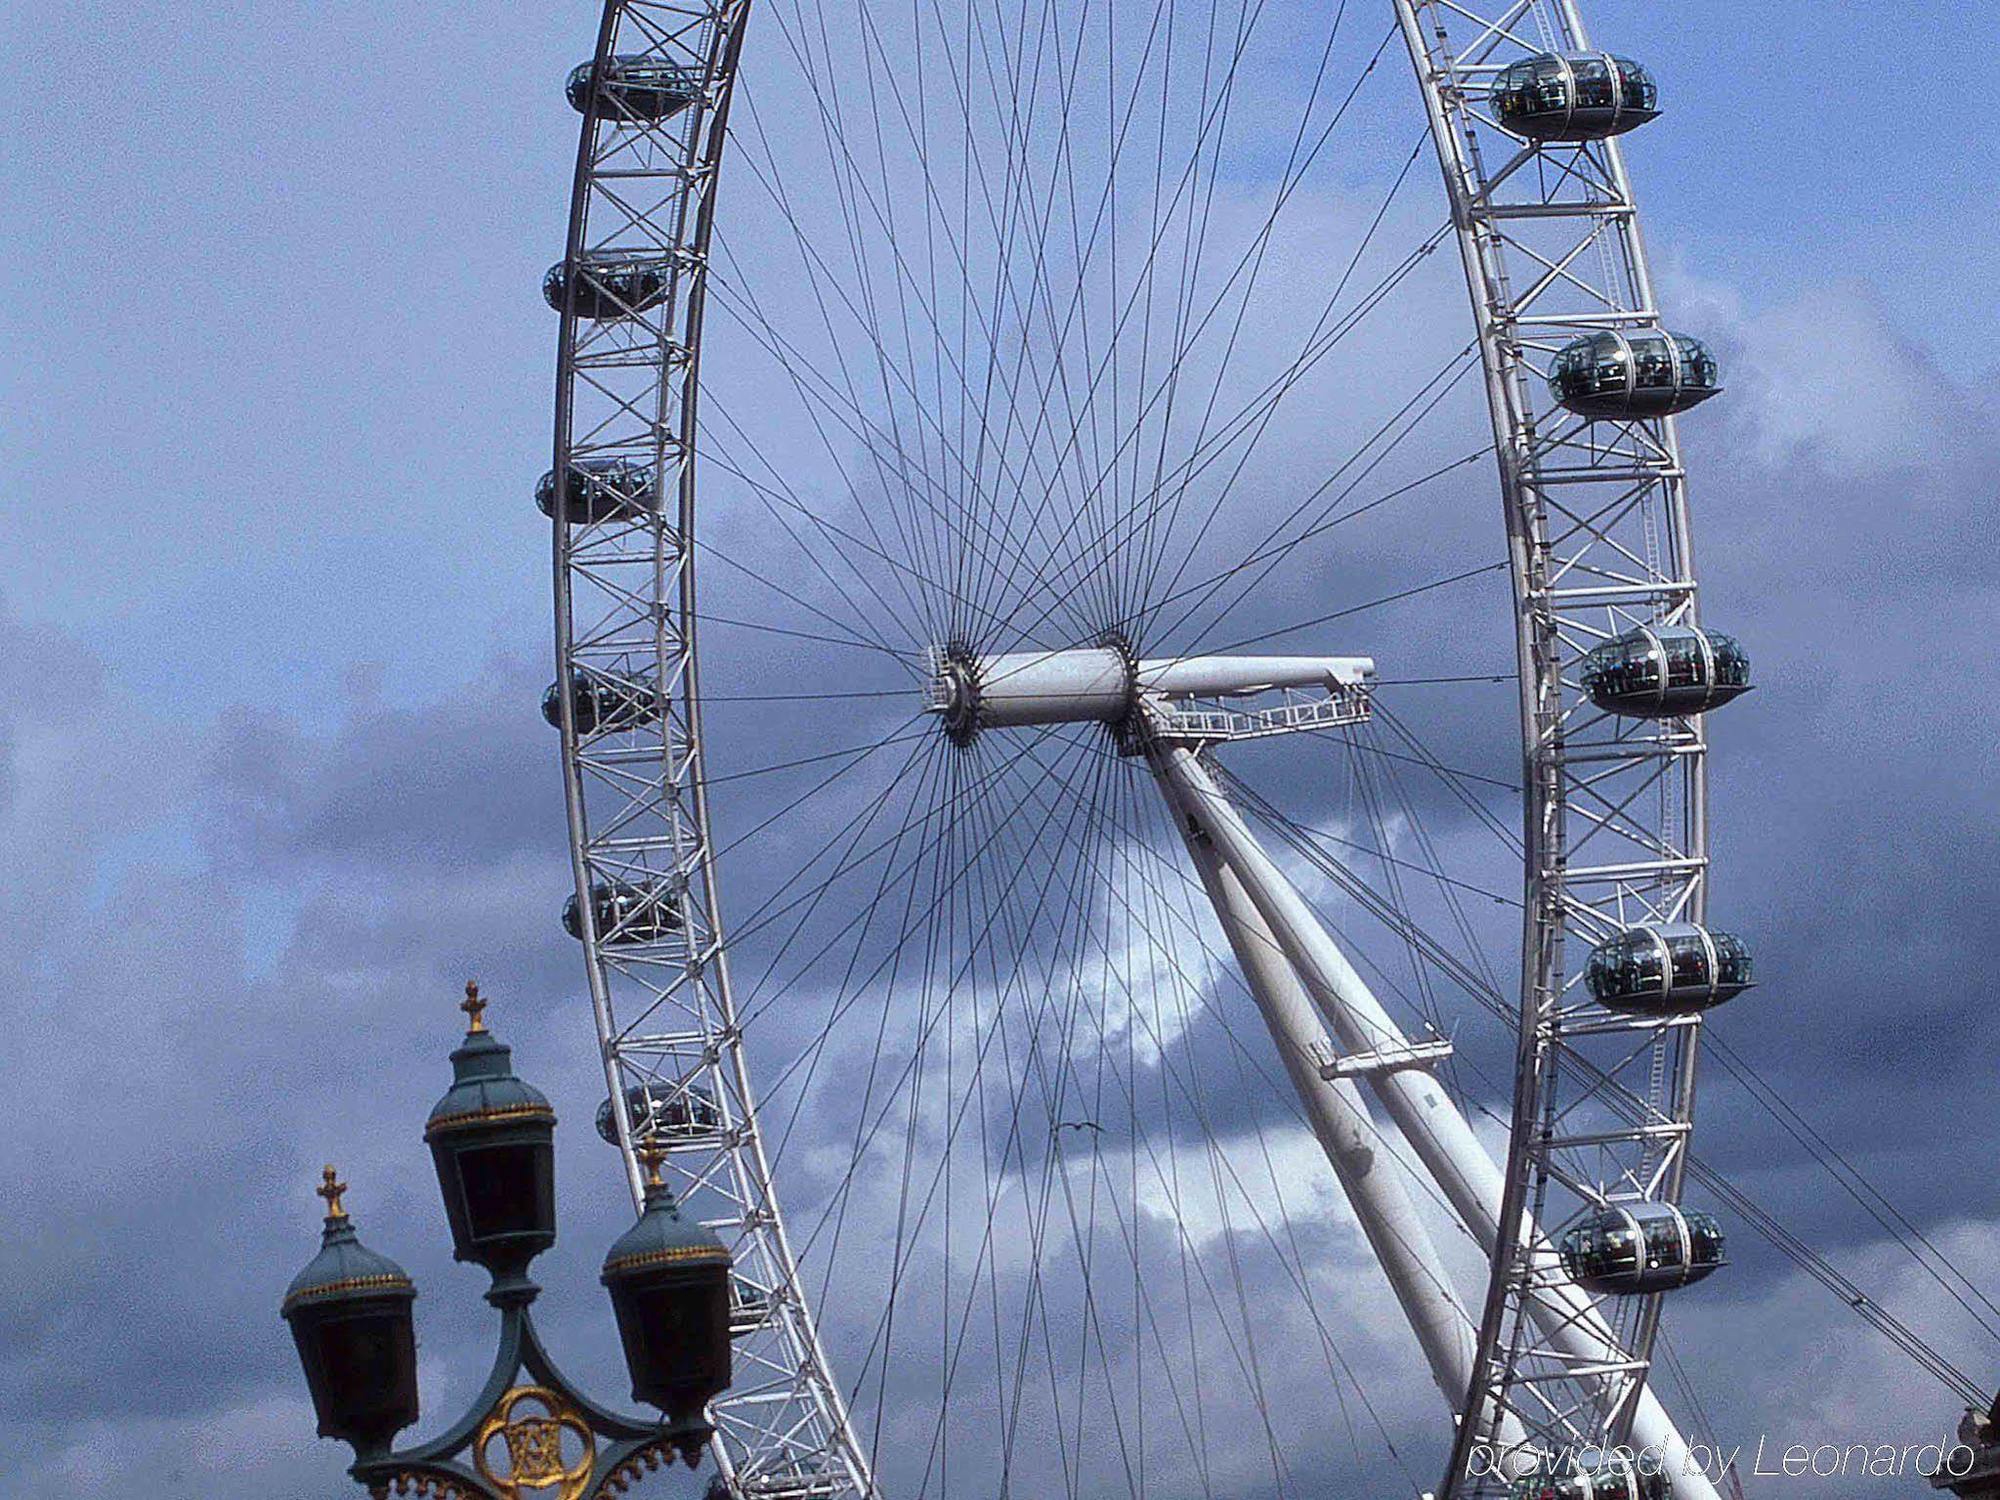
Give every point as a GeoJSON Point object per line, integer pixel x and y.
{"type": "Point", "coordinates": [1069, 416]}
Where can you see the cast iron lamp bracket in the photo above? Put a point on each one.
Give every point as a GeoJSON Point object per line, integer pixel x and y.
{"type": "Point", "coordinates": [531, 1435]}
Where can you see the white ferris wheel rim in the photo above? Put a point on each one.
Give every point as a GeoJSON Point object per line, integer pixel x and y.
{"type": "Point", "coordinates": [1504, 1326]}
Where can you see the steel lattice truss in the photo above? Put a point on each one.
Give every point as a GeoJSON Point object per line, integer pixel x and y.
{"type": "Point", "coordinates": [1616, 818]}
{"type": "Point", "coordinates": [645, 196]}
{"type": "Point", "coordinates": [1598, 532]}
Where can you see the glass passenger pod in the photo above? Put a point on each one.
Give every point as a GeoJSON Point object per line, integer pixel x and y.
{"type": "Point", "coordinates": [1636, 1249]}
{"type": "Point", "coordinates": [640, 88]}
{"type": "Point", "coordinates": [1667, 969]}
{"type": "Point", "coordinates": [660, 1108]}
{"type": "Point", "coordinates": [1665, 672]}
{"type": "Point", "coordinates": [1628, 375]}
{"type": "Point", "coordinates": [1574, 96]}
{"type": "Point", "coordinates": [609, 284]}
{"type": "Point", "coordinates": [626, 912]}
{"type": "Point", "coordinates": [604, 703]}
{"type": "Point", "coordinates": [1615, 1477]}
{"type": "Point", "coordinates": [749, 1308]}
{"type": "Point", "coordinates": [601, 489]}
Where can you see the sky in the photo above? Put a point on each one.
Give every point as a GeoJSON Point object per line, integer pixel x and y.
{"type": "Point", "coordinates": [275, 619]}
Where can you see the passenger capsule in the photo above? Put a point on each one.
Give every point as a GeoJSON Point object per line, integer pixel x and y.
{"type": "Point", "coordinates": [1615, 1476]}
{"type": "Point", "coordinates": [1665, 671]}
{"type": "Point", "coordinates": [636, 88]}
{"type": "Point", "coordinates": [1667, 969]}
{"type": "Point", "coordinates": [1633, 1249]}
{"type": "Point", "coordinates": [749, 1308]}
{"type": "Point", "coordinates": [600, 489]}
{"type": "Point", "coordinates": [626, 912]}
{"type": "Point", "coordinates": [609, 284]}
{"type": "Point", "coordinates": [603, 702]}
{"type": "Point", "coordinates": [1574, 96]}
{"type": "Point", "coordinates": [658, 1107]}
{"type": "Point", "coordinates": [1631, 374]}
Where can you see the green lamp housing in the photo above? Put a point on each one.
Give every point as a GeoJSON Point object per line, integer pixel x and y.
{"type": "Point", "coordinates": [350, 1316]}
{"type": "Point", "coordinates": [492, 1140]}
{"type": "Point", "coordinates": [669, 1280]}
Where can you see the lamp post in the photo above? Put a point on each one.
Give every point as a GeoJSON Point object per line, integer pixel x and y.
{"type": "Point", "coordinates": [530, 1434]}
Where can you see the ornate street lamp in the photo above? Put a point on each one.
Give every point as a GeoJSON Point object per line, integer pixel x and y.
{"type": "Point", "coordinates": [350, 1317]}
{"type": "Point", "coordinates": [492, 1139]}
{"type": "Point", "coordinates": [530, 1435]}
{"type": "Point", "coordinates": [669, 1284]}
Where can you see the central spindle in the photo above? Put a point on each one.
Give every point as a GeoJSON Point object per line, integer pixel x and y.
{"type": "Point", "coordinates": [1103, 684]}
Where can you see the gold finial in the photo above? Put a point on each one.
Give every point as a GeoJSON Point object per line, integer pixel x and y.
{"type": "Point", "coordinates": [652, 1153]}
{"type": "Point", "coordinates": [474, 1007]}
{"type": "Point", "coordinates": [330, 1188]}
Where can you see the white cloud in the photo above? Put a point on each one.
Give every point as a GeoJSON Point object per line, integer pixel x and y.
{"type": "Point", "coordinates": [1822, 380]}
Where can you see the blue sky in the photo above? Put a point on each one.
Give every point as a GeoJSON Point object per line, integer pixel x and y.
{"type": "Point", "coordinates": [275, 617]}
{"type": "Point", "coordinates": [283, 283]}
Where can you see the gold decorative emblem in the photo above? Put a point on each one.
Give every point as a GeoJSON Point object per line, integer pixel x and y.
{"type": "Point", "coordinates": [544, 1453]}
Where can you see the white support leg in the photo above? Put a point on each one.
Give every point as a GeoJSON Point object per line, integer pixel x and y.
{"type": "Point", "coordinates": [1375, 1183]}
{"type": "Point", "coordinates": [1437, 1132]}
